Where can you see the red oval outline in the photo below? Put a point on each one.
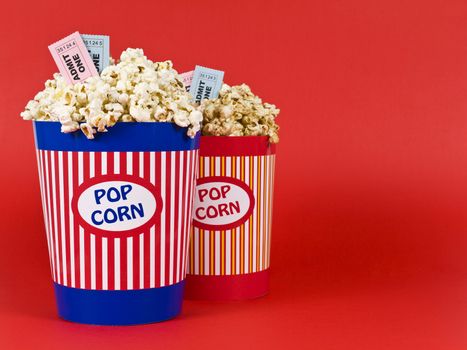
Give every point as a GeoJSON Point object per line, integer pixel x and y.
{"type": "Point", "coordinates": [154, 220]}
{"type": "Point", "coordinates": [236, 223]}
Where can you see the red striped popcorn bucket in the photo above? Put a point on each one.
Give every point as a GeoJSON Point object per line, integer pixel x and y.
{"type": "Point", "coordinates": [117, 212]}
{"type": "Point", "coordinates": [229, 251]}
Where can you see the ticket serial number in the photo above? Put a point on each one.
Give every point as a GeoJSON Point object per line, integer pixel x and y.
{"type": "Point", "coordinates": [66, 46]}
{"type": "Point", "coordinates": [94, 42]}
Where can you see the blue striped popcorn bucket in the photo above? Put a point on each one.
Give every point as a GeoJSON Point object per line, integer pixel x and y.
{"type": "Point", "coordinates": [117, 213]}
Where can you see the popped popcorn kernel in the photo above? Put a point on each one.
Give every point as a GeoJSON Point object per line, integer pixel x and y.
{"type": "Point", "coordinates": [239, 112]}
{"type": "Point", "coordinates": [134, 89]}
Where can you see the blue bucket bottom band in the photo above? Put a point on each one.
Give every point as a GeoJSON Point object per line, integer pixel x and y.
{"type": "Point", "coordinates": [119, 307]}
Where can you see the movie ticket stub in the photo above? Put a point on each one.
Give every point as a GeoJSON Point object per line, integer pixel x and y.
{"type": "Point", "coordinates": [187, 78]}
{"type": "Point", "coordinates": [99, 49]}
{"type": "Point", "coordinates": [72, 58]}
{"type": "Point", "coordinates": [206, 83]}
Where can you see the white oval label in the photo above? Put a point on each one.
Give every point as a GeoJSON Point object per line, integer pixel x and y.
{"type": "Point", "coordinates": [116, 204]}
{"type": "Point", "coordinates": [222, 203]}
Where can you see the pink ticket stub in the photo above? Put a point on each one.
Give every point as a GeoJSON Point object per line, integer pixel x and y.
{"type": "Point", "coordinates": [187, 77]}
{"type": "Point", "coordinates": [73, 59]}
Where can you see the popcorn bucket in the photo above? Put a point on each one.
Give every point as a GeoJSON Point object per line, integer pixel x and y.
{"type": "Point", "coordinates": [117, 212]}
{"type": "Point", "coordinates": [230, 242]}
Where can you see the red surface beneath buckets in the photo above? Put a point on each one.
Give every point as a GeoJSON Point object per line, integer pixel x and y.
{"type": "Point", "coordinates": [369, 236]}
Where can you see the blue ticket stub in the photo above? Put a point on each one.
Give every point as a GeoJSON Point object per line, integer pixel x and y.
{"type": "Point", "coordinates": [99, 49]}
{"type": "Point", "coordinates": [206, 83]}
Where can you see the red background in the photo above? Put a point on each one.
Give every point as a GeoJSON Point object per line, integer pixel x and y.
{"type": "Point", "coordinates": [369, 237]}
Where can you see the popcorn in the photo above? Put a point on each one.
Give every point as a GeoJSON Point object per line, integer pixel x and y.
{"type": "Point", "coordinates": [238, 112]}
{"type": "Point", "coordinates": [87, 130]}
{"type": "Point", "coordinates": [133, 90]}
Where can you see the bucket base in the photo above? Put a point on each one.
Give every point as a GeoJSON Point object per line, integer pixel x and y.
{"type": "Point", "coordinates": [119, 307]}
{"type": "Point", "coordinates": [227, 287]}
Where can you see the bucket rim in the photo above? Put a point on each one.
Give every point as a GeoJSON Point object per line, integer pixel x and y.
{"type": "Point", "coordinates": [122, 137]}
{"type": "Point", "coordinates": [212, 146]}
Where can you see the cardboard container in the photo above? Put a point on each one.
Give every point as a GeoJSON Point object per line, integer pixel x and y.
{"type": "Point", "coordinates": [117, 212]}
{"type": "Point", "coordinates": [231, 234]}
